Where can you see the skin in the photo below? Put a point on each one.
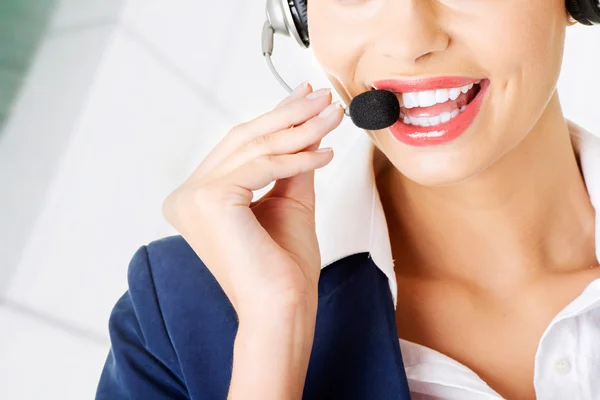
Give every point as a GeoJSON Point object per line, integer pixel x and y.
{"type": "Point", "coordinates": [492, 233]}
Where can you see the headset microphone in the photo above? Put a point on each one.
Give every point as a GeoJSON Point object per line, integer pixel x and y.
{"type": "Point", "coordinates": [372, 110]}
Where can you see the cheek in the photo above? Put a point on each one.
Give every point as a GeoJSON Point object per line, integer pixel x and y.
{"type": "Point", "coordinates": [520, 47]}
{"type": "Point", "coordinates": [335, 57]}
{"type": "Point", "coordinates": [337, 48]}
{"type": "Point", "coordinates": [520, 40]}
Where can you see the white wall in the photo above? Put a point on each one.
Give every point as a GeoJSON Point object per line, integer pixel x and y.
{"type": "Point", "coordinates": [579, 83]}
{"type": "Point", "coordinates": [123, 100]}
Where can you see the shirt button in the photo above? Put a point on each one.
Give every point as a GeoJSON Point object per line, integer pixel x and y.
{"type": "Point", "coordinates": [562, 366]}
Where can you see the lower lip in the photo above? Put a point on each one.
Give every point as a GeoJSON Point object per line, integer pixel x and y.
{"type": "Point", "coordinates": [442, 133]}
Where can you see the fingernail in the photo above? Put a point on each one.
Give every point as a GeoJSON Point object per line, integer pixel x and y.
{"type": "Point", "coordinates": [299, 89]}
{"type": "Point", "coordinates": [329, 109]}
{"type": "Point", "coordinates": [318, 93]}
{"type": "Point", "coordinates": [324, 150]}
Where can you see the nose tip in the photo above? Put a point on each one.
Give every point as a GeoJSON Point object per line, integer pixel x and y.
{"type": "Point", "coordinates": [420, 49]}
{"type": "Point", "coordinates": [414, 33]}
{"type": "Point", "coordinates": [413, 56]}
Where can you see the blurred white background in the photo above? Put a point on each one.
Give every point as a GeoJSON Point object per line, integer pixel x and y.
{"type": "Point", "coordinates": [121, 100]}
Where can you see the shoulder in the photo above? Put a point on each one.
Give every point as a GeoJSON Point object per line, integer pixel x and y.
{"type": "Point", "coordinates": [168, 274]}
{"type": "Point", "coordinates": [171, 269]}
{"type": "Point", "coordinates": [168, 277]}
{"type": "Point", "coordinates": [174, 322]}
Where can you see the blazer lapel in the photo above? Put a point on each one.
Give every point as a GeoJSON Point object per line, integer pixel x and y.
{"type": "Point", "coordinates": [356, 350]}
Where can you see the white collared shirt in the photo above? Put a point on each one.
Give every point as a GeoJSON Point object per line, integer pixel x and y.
{"type": "Point", "coordinates": [350, 220]}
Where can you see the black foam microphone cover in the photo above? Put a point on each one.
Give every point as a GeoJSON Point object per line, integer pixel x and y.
{"type": "Point", "coordinates": [374, 110]}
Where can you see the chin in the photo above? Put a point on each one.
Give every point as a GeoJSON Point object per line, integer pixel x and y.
{"type": "Point", "coordinates": [438, 170]}
{"type": "Point", "coordinates": [450, 163]}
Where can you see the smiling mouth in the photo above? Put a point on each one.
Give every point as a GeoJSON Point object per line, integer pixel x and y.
{"type": "Point", "coordinates": [437, 106]}
{"type": "Point", "coordinates": [435, 110]}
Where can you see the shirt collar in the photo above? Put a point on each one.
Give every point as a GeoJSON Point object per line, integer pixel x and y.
{"type": "Point", "coordinates": [349, 213]}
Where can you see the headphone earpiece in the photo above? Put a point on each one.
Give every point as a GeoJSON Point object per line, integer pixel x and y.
{"type": "Point", "coordinates": [301, 19]}
{"type": "Point", "coordinates": [288, 17]}
{"type": "Point", "coordinates": [586, 12]}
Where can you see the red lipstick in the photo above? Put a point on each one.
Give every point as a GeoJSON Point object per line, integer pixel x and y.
{"type": "Point", "coordinates": [442, 132]}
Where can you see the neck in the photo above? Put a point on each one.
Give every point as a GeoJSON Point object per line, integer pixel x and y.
{"type": "Point", "coordinates": [527, 214]}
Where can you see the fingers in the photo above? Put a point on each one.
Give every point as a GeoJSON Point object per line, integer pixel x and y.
{"type": "Point", "coordinates": [261, 171]}
{"type": "Point", "coordinates": [299, 187]}
{"type": "Point", "coordinates": [293, 113]}
{"type": "Point", "coordinates": [302, 90]}
{"type": "Point", "coordinates": [288, 141]}
{"type": "Point", "coordinates": [295, 110]}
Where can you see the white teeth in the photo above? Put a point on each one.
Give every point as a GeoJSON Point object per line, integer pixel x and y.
{"type": "Point", "coordinates": [427, 98]}
{"type": "Point", "coordinates": [465, 89]}
{"type": "Point", "coordinates": [432, 121]}
{"type": "Point", "coordinates": [410, 100]}
{"type": "Point", "coordinates": [454, 93]}
{"type": "Point", "coordinates": [442, 95]}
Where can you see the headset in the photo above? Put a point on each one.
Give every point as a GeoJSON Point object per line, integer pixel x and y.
{"type": "Point", "coordinates": [289, 18]}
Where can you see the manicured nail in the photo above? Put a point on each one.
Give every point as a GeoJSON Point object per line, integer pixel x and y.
{"type": "Point", "coordinates": [329, 109]}
{"type": "Point", "coordinates": [318, 93]}
{"type": "Point", "coordinates": [301, 87]}
{"type": "Point", "coordinates": [324, 150]}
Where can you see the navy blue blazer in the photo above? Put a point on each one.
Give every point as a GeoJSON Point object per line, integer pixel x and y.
{"type": "Point", "coordinates": [172, 332]}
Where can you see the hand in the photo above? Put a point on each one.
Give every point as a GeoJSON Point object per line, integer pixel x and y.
{"type": "Point", "coordinates": [264, 254]}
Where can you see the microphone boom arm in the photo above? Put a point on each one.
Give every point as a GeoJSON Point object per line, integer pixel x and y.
{"type": "Point", "coordinates": [267, 42]}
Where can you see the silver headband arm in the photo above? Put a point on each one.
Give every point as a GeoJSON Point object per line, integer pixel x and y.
{"type": "Point", "coordinates": [268, 34]}
{"type": "Point", "coordinates": [267, 50]}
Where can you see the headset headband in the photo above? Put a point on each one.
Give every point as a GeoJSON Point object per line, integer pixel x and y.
{"type": "Point", "coordinates": [289, 17]}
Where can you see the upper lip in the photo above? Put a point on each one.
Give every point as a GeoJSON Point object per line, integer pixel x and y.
{"type": "Point", "coordinates": [422, 84]}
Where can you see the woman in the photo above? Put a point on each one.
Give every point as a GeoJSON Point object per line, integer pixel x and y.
{"type": "Point", "coordinates": [458, 246]}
